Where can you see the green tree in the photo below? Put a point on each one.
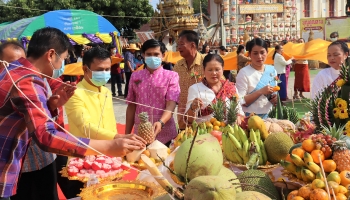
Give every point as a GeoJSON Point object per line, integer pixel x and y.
{"type": "Point", "coordinates": [113, 10]}
{"type": "Point", "coordinates": [196, 6]}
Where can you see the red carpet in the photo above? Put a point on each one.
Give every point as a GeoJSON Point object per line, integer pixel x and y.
{"type": "Point", "coordinates": [131, 176]}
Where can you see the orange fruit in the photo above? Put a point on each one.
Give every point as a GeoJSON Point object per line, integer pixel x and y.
{"type": "Point", "coordinates": [292, 194]}
{"type": "Point", "coordinates": [147, 153]}
{"type": "Point", "coordinates": [208, 123]}
{"type": "Point", "coordinates": [212, 120]}
{"type": "Point", "coordinates": [345, 177]}
{"type": "Point", "coordinates": [288, 158]}
{"type": "Point", "coordinates": [314, 155]}
{"type": "Point", "coordinates": [217, 123]}
{"type": "Point", "coordinates": [340, 196]}
{"type": "Point", "coordinates": [169, 151]}
{"type": "Point", "coordinates": [329, 165]}
{"type": "Point", "coordinates": [298, 198]}
{"type": "Point", "coordinates": [217, 128]}
{"type": "Point", "coordinates": [318, 194]}
{"type": "Point", "coordinates": [299, 152]}
{"type": "Point", "coordinates": [308, 145]}
{"type": "Point", "coordinates": [222, 124]}
{"type": "Point", "coordinates": [305, 191]}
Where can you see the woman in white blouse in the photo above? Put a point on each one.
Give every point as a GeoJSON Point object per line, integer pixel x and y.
{"type": "Point", "coordinates": [280, 66]}
{"type": "Point", "coordinates": [212, 87]}
{"type": "Point", "coordinates": [255, 82]}
{"type": "Point", "coordinates": [337, 53]}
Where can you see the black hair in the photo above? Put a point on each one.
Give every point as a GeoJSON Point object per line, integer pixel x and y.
{"type": "Point", "coordinates": [111, 47]}
{"type": "Point", "coordinates": [163, 47]}
{"type": "Point", "coordinates": [283, 42]}
{"type": "Point", "coordinates": [342, 44]}
{"type": "Point", "coordinates": [190, 36]}
{"type": "Point", "coordinates": [203, 49]}
{"type": "Point", "coordinates": [268, 43]}
{"type": "Point", "coordinates": [256, 42]}
{"type": "Point", "coordinates": [301, 39]}
{"type": "Point", "coordinates": [334, 33]}
{"type": "Point", "coordinates": [14, 44]}
{"type": "Point", "coordinates": [222, 48]}
{"type": "Point", "coordinates": [152, 43]}
{"type": "Point", "coordinates": [240, 48]}
{"type": "Point", "coordinates": [95, 53]}
{"type": "Point", "coordinates": [45, 39]}
{"type": "Point", "coordinates": [211, 57]}
{"type": "Point", "coordinates": [277, 47]}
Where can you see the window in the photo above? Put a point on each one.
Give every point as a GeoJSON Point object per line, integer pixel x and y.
{"type": "Point", "coordinates": [307, 8]}
{"type": "Point", "coordinates": [331, 8]}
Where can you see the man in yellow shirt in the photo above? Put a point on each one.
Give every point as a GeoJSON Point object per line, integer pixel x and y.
{"type": "Point", "coordinates": [90, 110]}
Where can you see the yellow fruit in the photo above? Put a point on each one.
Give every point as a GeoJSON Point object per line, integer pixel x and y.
{"type": "Point", "coordinates": [141, 162]}
{"type": "Point", "coordinates": [217, 128]}
{"type": "Point", "coordinates": [169, 151]}
{"type": "Point", "coordinates": [208, 123]}
{"type": "Point", "coordinates": [333, 185]}
{"type": "Point", "coordinates": [153, 160]}
{"type": "Point", "coordinates": [308, 145]}
{"type": "Point", "coordinates": [315, 156]}
{"type": "Point", "coordinates": [212, 120]}
{"type": "Point", "coordinates": [217, 123]}
{"type": "Point", "coordinates": [147, 153]}
{"type": "Point", "coordinates": [255, 122]}
{"type": "Point", "coordinates": [342, 189]}
{"type": "Point", "coordinates": [317, 183]}
{"type": "Point", "coordinates": [345, 177]}
{"type": "Point", "coordinates": [318, 194]}
{"type": "Point", "coordinates": [334, 176]}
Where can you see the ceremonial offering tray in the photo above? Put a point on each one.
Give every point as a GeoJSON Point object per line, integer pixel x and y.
{"type": "Point", "coordinates": [123, 190]}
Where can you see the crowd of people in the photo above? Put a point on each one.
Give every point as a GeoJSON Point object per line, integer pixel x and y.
{"type": "Point", "coordinates": [33, 98]}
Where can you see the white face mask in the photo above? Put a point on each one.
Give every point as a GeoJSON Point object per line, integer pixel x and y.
{"type": "Point", "coordinates": [334, 39]}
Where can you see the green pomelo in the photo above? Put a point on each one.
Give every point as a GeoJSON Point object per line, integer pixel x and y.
{"type": "Point", "coordinates": [206, 157]}
{"type": "Point", "coordinates": [231, 177]}
{"type": "Point", "coordinates": [209, 188]}
{"type": "Point", "coordinates": [259, 181]}
{"type": "Point", "coordinates": [251, 195]}
{"type": "Point", "coordinates": [277, 147]}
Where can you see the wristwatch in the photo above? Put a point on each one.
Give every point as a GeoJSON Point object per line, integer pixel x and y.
{"type": "Point", "coordinates": [162, 123]}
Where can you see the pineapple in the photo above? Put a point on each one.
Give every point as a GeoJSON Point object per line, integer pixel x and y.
{"type": "Point", "coordinates": [341, 155]}
{"type": "Point", "coordinates": [282, 112]}
{"type": "Point", "coordinates": [145, 129]}
{"type": "Point", "coordinates": [232, 112]}
{"type": "Point", "coordinates": [219, 110]}
{"type": "Point", "coordinates": [333, 131]}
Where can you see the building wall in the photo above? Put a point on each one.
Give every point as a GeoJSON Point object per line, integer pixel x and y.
{"type": "Point", "coordinates": [318, 8]}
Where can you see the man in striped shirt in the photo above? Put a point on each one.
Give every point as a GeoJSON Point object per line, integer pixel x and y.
{"type": "Point", "coordinates": [26, 113]}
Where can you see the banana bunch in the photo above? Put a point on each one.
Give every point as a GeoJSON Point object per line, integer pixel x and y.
{"type": "Point", "coordinates": [183, 135]}
{"type": "Point", "coordinates": [238, 148]}
{"type": "Point", "coordinates": [306, 170]}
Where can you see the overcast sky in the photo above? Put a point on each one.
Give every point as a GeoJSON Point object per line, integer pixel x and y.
{"type": "Point", "coordinates": [154, 3]}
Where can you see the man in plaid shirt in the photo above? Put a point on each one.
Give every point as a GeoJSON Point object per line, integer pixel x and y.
{"type": "Point", "coordinates": [24, 110]}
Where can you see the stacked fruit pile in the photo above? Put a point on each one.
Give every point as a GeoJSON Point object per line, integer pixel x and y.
{"type": "Point", "coordinates": [317, 191]}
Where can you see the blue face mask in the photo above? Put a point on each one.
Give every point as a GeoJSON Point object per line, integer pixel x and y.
{"type": "Point", "coordinates": [153, 62]}
{"type": "Point", "coordinates": [100, 78]}
{"type": "Point", "coordinates": [58, 72]}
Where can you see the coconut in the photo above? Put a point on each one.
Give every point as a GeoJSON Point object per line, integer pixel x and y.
{"type": "Point", "coordinates": [206, 157]}
{"type": "Point", "coordinates": [210, 188]}
{"type": "Point", "coordinates": [230, 176]}
{"type": "Point", "coordinates": [251, 195]}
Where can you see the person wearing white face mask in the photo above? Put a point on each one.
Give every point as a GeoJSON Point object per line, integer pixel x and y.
{"type": "Point", "coordinates": [157, 88]}
{"type": "Point", "coordinates": [334, 36]}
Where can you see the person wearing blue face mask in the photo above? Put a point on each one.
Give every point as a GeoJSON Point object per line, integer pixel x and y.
{"type": "Point", "coordinates": [157, 88]}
